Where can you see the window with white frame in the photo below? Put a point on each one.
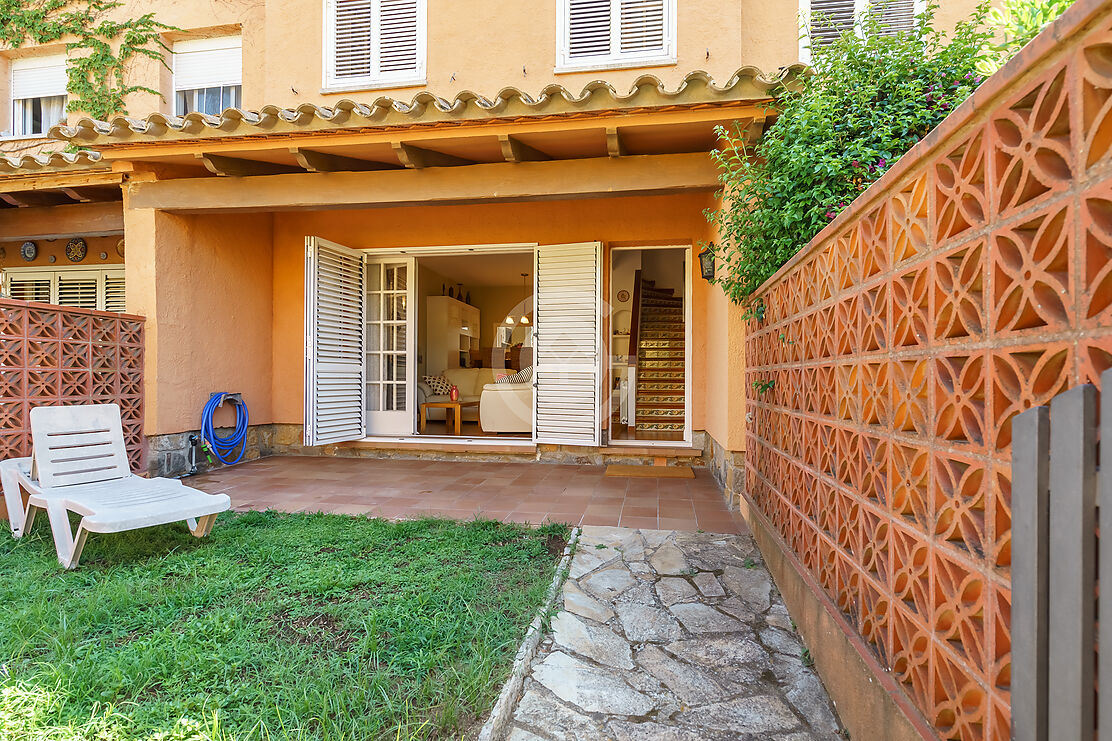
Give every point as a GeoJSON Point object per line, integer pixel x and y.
{"type": "Point", "coordinates": [83, 287]}
{"type": "Point", "coordinates": [596, 34]}
{"type": "Point", "coordinates": [374, 43]}
{"type": "Point", "coordinates": [827, 20]}
{"type": "Point", "coordinates": [38, 94]}
{"type": "Point", "coordinates": [208, 75]}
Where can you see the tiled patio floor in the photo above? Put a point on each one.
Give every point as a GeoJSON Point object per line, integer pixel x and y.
{"type": "Point", "coordinates": [518, 492]}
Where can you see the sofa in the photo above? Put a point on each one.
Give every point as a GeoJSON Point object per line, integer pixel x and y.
{"type": "Point", "coordinates": [503, 407]}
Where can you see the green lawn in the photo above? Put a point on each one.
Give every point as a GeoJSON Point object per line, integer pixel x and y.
{"type": "Point", "coordinates": [274, 627]}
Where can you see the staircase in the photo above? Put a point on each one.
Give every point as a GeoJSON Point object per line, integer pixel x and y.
{"type": "Point", "coordinates": [660, 360]}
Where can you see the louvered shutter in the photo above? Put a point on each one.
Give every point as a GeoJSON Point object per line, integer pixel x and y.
{"type": "Point", "coordinates": [115, 298]}
{"type": "Point", "coordinates": [334, 367]}
{"type": "Point", "coordinates": [78, 289]}
{"type": "Point", "coordinates": [589, 31]}
{"type": "Point", "coordinates": [39, 77]}
{"type": "Point", "coordinates": [895, 15]}
{"type": "Point", "coordinates": [30, 288]}
{"type": "Point", "coordinates": [397, 37]}
{"type": "Point", "coordinates": [642, 26]}
{"type": "Point", "coordinates": [829, 19]}
{"type": "Point", "coordinates": [568, 317]}
{"type": "Point", "coordinates": [352, 39]}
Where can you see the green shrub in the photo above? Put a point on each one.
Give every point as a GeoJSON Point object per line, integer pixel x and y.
{"type": "Point", "coordinates": [1016, 22]}
{"type": "Point", "coordinates": [867, 99]}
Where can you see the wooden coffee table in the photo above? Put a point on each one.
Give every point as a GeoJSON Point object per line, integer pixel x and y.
{"type": "Point", "coordinates": [452, 414]}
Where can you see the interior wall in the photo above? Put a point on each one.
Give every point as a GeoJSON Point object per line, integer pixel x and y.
{"type": "Point", "coordinates": [495, 303]}
{"type": "Point", "coordinates": [428, 284]}
{"type": "Point", "coordinates": [205, 284]}
{"type": "Point", "coordinates": [665, 268]}
{"type": "Point", "coordinates": [636, 220]}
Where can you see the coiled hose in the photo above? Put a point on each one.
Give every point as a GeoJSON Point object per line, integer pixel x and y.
{"type": "Point", "coordinates": [222, 447]}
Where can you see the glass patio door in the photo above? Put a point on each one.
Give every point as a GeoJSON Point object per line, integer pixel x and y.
{"type": "Point", "coordinates": [390, 346]}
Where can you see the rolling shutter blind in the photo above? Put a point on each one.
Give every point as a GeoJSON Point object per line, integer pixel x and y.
{"type": "Point", "coordinates": [39, 77]}
{"type": "Point", "coordinates": [830, 19]}
{"type": "Point", "coordinates": [201, 63]}
{"type": "Point", "coordinates": [334, 364]}
{"type": "Point", "coordinates": [376, 40]}
{"type": "Point", "coordinates": [642, 26]}
{"type": "Point", "coordinates": [567, 344]}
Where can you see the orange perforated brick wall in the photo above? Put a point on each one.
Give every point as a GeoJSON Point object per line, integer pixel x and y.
{"type": "Point", "coordinates": [972, 282]}
{"type": "Point", "coordinates": [58, 355]}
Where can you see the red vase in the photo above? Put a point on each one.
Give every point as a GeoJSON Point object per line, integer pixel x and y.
{"type": "Point", "coordinates": [454, 394]}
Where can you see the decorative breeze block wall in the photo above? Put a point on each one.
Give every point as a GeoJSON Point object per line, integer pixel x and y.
{"type": "Point", "coordinates": [973, 282]}
{"type": "Point", "coordinates": [58, 355]}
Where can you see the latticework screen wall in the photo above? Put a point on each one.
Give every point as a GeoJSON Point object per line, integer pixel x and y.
{"type": "Point", "coordinates": [974, 282]}
{"type": "Point", "coordinates": [57, 355]}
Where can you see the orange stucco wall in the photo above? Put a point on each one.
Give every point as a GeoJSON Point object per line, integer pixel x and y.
{"type": "Point", "coordinates": [205, 285]}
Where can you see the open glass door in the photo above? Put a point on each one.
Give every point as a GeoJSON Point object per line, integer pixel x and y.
{"type": "Point", "coordinates": [391, 338]}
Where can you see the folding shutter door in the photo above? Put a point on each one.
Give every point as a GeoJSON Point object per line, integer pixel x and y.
{"type": "Point", "coordinates": [334, 367]}
{"type": "Point", "coordinates": [352, 39]}
{"type": "Point", "coordinates": [588, 28]}
{"type": "Point", "coordinates": [642, 26]}
{"type": "Point", "coordinates": [568, 320]}
{"type": "Point", "coordinates": [114, 291]}
{"type": "Point", "coordinates": [398, 37]}
{"type": "Point", "coordinates": [78, 289]}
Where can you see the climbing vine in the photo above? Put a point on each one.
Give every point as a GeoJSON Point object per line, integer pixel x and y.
{"type": "Point", "coordinates": [95, 70]}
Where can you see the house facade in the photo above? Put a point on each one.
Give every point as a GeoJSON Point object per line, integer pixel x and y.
{"type": "Point", "coordinates": [344, 209]}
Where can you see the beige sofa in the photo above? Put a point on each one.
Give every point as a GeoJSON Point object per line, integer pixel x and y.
{"type": "Point", "coordinates": [503, 407]}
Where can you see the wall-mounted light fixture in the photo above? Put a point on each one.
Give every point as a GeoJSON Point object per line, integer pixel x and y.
{"type": "Point", "coordinates": [706, 262]}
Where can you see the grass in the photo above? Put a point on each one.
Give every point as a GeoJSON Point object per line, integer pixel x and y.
{"type": "Point", "coordinates": [274, 627]}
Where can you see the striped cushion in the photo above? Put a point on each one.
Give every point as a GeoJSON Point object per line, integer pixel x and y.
{"type": "Point", "coordinates": [525, 375]}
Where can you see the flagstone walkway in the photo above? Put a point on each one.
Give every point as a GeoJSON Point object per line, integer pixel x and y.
{"type": "Point", "coordinates": [671, 636]}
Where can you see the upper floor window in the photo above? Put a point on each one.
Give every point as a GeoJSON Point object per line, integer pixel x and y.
{"type": "Point", "coordinates": [374, 43]}
{"type": "Point", "coordinates": [828, 19]}
{"type": "Point", "coordinates": [208, 75]}
{"type": "Point", "coordinates": [38, 94]}
{"type": "Point", "coordinates": [598, 34]}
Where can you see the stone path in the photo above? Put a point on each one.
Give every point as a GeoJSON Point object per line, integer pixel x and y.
{"type": "Point", "coordinates": [671, 636]}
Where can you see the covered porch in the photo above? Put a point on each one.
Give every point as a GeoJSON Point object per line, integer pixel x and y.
{"type": "Point", "coordinates": [513, 492]}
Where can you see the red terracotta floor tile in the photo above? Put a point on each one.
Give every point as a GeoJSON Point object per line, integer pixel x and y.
{"type": "Point", "coordinates": [648, 523]}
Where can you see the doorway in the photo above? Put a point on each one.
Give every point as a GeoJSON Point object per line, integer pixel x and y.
{"type": "Point", "coordinates": [650, 345]}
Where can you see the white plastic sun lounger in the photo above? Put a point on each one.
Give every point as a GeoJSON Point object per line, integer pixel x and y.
{"type": "Point", "coordinates": [80, 465]}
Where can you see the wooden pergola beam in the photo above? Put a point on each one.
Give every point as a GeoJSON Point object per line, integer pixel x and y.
{"type": "Point", "coordinates": [313, 161]}
{"type": "Point", "coordinates": [52, 222]}
{"type": "Point", "coordinates": [597, 177]}
{"type": "Point", "coordinates": [218, 164]}
{"type": "Point", "coordinates": [515, 150]}
{"type": "Point", "coordinates": [417, 158]}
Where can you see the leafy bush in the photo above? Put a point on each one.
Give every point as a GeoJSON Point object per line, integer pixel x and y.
{"type": "Point", "coordinates": [867, 99]}
{"type": "Point", "coordinates": [1016, 22]}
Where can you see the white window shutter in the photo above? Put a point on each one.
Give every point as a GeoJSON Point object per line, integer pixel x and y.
{"type": "Point", "coordinates": [29, 288]}
{"type": "Point", "coordinates": [352, 28]}
{"type": "Point", "coordinates": [398, 37]}
{"type": "Point", "coordinates": [214, 62]}
{"type": "Point", "coordinates": [589, 28]}
{"type": "Point", "coordinates": [642, 27]}
{"type": "Point", "coordinates": [567, 344]}
{"type": "Point", "coordinates": [78, 289]}
{"type": "Point", "coordinates": [39, 77]}
{"type": "Point", "coordinates": [335, 278]}
{"type": "Point", "coordinates": [115, 295]}
{"type": "Point", "coordinates": [895, 15]}
{"type": "Point", "coordinates": [829, 19]}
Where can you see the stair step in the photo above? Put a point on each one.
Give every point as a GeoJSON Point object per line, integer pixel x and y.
{"type": "Point", "coordinates": [672, 353]}
{"type": "Point", "coordinates": [657, 387]}
{"type": "Point", "coordinates": [660, 427]}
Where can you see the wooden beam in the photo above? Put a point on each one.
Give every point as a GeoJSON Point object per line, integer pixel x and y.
{"type": "Point", "coordinates": [615, 147]}
{"type": "Point", "coordinates": [54, 180]}
{"type": "Point", "coordinates": [36, 198]}
{"type": "Point", "coordinates": [515, 150]}
{"type": "Point", "coordinates": [52, 222]}
{"type": "Point", "coordinates": [236, 167]}
{"type": "Point", "coordinates": [416, 158]}
{"type": "Point", "coordinates": [313, 161]}
{"type": "Point", "coordinates": [596, 177]}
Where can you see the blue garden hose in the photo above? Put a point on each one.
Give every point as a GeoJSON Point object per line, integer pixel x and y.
{"type": "Point", "coordinates": [222, 447]}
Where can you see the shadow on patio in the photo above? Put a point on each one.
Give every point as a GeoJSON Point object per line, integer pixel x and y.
{"type": "Point", "coordinates": [517, 492]}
